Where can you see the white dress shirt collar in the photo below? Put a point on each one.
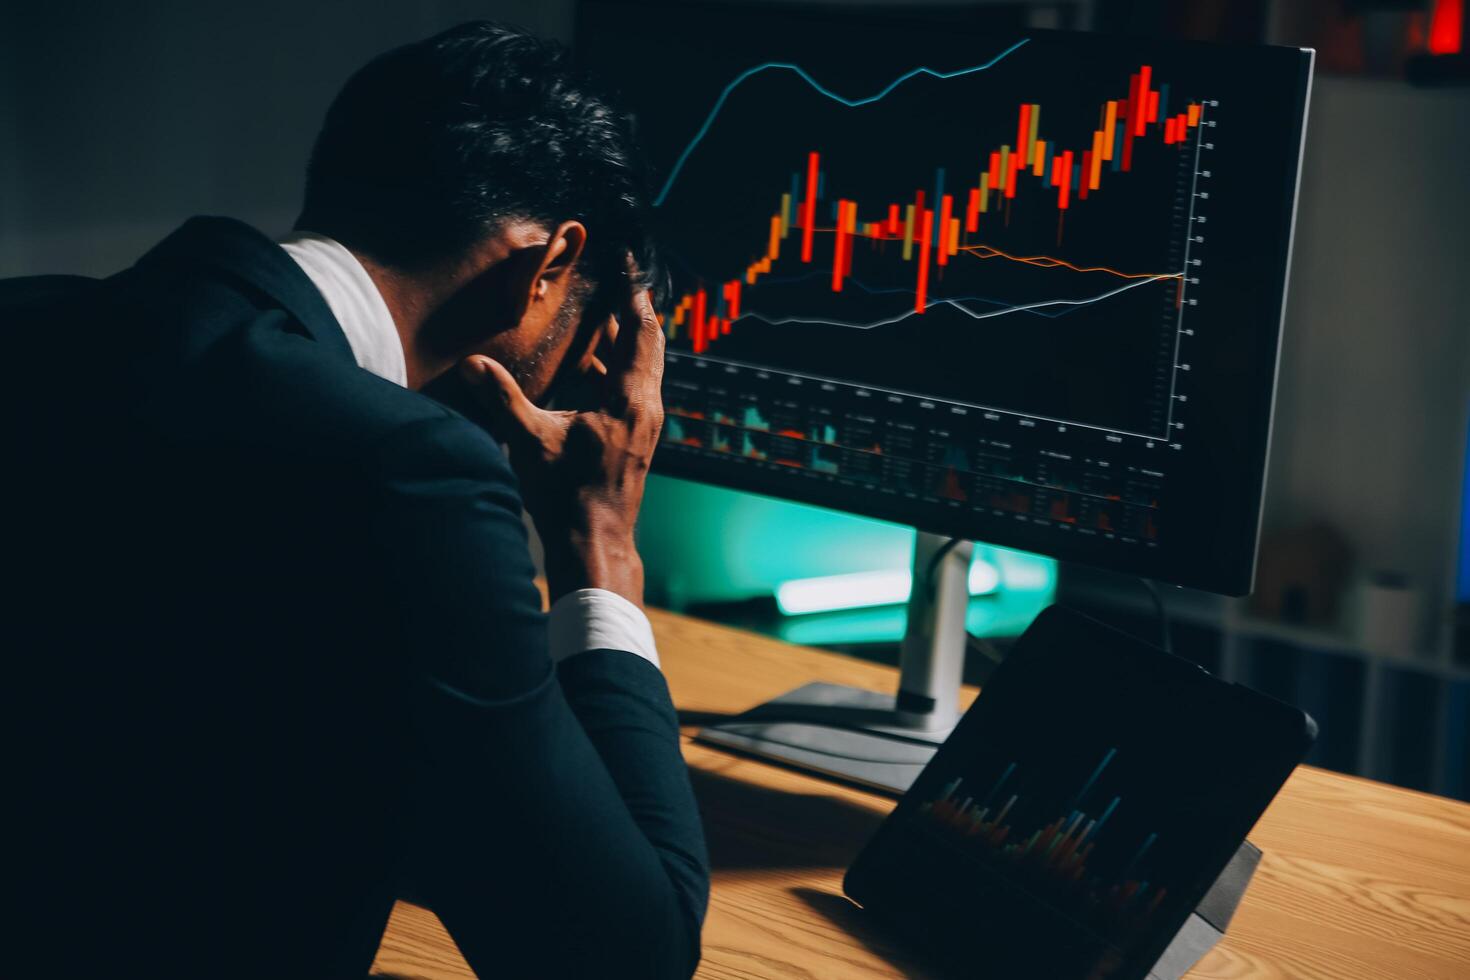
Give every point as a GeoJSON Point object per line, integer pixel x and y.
{"type": "Point", "coordinates": [354, 300]}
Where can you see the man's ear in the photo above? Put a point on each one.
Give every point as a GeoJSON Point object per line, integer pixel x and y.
{"type": "Point", "coordinates": [552, 276]}
{"type": "Point", "coordinates": [512, 288]}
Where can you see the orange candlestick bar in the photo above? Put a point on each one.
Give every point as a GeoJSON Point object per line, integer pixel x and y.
{"type": "Point", "coordinates": [809, 208]}
{"type": "Point", "coordinates": [926, 235]}
{"type": "Point", "coordinates": [1193, 114]}
{"type": "Point", "coordinates": [849, 231]}
{"type": "Point", "coordinates": [1095, 174]}
{"type": "Point", "coordinates": [773, 246]}
{"type": "Point", "coordinates": [1110, 122]}
{"type": "Point", "coordinates": [1038, 163]}
{"type": "Point", "coordinates": [840, 237]}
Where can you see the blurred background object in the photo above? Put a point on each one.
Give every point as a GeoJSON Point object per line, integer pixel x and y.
{"type": "Point", "coordinates": [117, 122]}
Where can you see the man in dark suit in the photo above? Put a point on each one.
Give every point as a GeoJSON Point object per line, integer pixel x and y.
{"type": "Point", "coordinates": [277, 652]}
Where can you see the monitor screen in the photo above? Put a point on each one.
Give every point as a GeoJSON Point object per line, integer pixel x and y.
{"type": "Point", "coordinates": [1020, 286]}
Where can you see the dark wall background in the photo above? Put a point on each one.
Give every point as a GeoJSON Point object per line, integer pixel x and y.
{"type": "Point", "coordinates": [119, 120]}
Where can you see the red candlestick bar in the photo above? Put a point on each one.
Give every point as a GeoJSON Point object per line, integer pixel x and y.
{"type": "Point", "coordinates": [926, 235]}
{"type": "Point", "coordinates": [1133, 113]}
{"type": "Point", "coordinates": [840, 236]}
{"type": "Point", "coordinates": [700, 301]}
{"type": "Point", "coordinates": [1023, 133]}
{"type": "Point", "coordinates": [809, 208]}
{"type": "Point", "coordinates": [946, 204]}
{"type": "Point", "coordinates": [1140, 115]}
{"type": "Point", "coordinates": [1065, 183]}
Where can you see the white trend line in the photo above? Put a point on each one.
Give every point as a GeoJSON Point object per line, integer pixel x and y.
{"type": "Point", "coordinates": [959, 306]}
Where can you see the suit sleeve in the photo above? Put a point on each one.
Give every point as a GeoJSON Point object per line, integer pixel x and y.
{"type": "Point", "coordinates": [557, 835]}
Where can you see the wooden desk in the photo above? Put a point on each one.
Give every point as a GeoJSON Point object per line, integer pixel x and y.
{"type": "Point", "coordinates": [1359, 880]}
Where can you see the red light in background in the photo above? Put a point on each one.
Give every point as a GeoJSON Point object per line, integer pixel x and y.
{"type": "Point", "coordinates": [1446, 27]}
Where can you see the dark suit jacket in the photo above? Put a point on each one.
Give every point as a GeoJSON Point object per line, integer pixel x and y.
{"type": "Point", "coordinates": [277, 653]}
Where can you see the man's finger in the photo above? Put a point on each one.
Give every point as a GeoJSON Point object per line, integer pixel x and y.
{"type": "Point", "coordinates": [501, 393]}
{"type": "Point", "coordinates": [640, 344]}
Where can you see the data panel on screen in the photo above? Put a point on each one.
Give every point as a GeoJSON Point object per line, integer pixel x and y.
{"type": "Point", "coordinates": [1021, 286]}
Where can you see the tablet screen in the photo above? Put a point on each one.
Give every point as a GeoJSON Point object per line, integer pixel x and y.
{"type": "Point", "coordinates": [1090, 797]}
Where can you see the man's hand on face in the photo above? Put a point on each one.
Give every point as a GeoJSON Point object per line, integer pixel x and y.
{"type": "Point", "coordinates": [582, 473]}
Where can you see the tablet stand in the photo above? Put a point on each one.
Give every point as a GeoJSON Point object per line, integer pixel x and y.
{"type": "Point", "coordinates": [1208, 922]}
{"type": "Point", "coordinates": [878, 740]}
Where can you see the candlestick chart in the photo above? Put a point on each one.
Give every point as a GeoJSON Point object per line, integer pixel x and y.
{"type": "Point", "coordinates": [934, 235]}
{"type": "Point", "coordinates": [958, 276]}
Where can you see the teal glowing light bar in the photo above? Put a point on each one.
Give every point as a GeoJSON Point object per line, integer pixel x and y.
{"type": "Point", "coordinates": [859, 590]}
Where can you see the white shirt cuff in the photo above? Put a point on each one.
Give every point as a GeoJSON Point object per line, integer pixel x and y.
{"type": "Point", "coordinates": [596, 619]}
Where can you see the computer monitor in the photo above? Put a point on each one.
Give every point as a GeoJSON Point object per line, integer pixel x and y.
{"type": "Point", "coordinates": [1022, 287]}
{"type": "Point", "coordinates": [1009, 285]}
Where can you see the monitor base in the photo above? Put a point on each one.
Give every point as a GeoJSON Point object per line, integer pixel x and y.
{"type": "Point", "coordinates": [843, 732]}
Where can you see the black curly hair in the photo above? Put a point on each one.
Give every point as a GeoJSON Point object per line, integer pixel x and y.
{"type": "Point", "coordinates": [432, 146]}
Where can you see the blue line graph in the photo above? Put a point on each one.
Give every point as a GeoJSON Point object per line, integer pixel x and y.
{"type": "Point", "coordinates": [821, 89]}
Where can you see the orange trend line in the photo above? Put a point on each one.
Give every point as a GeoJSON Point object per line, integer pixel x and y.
{"type": "Point", "coordinates": [1051, 262]}
{"type": "Point", "coordinates": [1047, 261]}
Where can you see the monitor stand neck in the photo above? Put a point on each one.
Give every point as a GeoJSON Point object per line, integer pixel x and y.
{"type": "Point", "coordinates": [877, 740]}
{"type": "Point", "coordinates": [931, 659]}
